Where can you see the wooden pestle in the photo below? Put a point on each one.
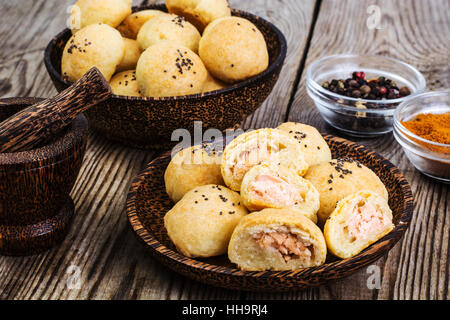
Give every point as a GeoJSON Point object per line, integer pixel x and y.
{"type": "Point", "coordinates": [36, 124]}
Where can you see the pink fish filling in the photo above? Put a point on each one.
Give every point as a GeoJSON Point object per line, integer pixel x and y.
{"type": "Point", "coordinates": [366, 220]}
{"type": "Point", "coordinates": [248, 159]}
{"type": "Point", "coordinates": [276, 190]}
{"type": "Point", "coordinates": [288, 244]}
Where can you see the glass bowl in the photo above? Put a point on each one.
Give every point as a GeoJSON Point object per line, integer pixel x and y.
{"type": "Point", "coordinates": [356, 116]}
{"type": "Point", "coordinates": [429, 157]}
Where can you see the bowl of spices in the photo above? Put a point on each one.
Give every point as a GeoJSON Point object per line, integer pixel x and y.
{"type": "Point", "coordinates": [422, 128]}
{"type": "Point", "coordinates": [358, 94]}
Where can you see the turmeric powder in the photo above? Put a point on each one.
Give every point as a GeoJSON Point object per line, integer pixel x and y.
{"type": "Point", "coordinates": [431, 126]}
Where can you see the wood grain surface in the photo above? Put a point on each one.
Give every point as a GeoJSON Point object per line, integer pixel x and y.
{"type": "Point", "coordinates": [102, 251]}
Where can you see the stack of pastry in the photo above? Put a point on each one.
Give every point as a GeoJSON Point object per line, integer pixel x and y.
{"type": "Point", "coordinates": [196, 47]}
{"type": "Point", "coordinates": [274, 199]}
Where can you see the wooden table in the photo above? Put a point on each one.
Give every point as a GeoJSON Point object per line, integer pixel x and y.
{"type": "Point", "coordinates": [100, 248]}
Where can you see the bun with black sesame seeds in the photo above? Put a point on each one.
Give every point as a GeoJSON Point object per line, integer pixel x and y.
{"type": "Point", "coordinates": [87, 12]}
{"type": "Point", "coordinates": [168, 27]}
{"type": "Point", "coordinates": [201, 223]}
{"type": "Point", "coordinates": [97, 45]}
{"type": "Point", "coordinates": [315, 147]}
{"type": "Point", "coordinates": [124, 84]}
{"type": "Point", "coordinates": [167, 69]}
{"type": "Point", "coordinates": [199, 12]}
{"type": "Point", "coordinates": [193, 167]}
{"type": "Point", "coordinates": [130, 27]}
{"type": "Point", "coordinates": [339, 178]}
{"type": "Point", "coordinates": [233, 49]}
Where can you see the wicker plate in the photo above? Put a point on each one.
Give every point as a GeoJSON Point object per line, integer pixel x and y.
{"type": "Point", "coordinates": [148, 202]}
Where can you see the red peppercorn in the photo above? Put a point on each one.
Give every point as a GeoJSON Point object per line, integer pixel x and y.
{"type": "Point", "coordinates": [360, 75]}
{"type": "Point", "coordinates": [383, 90]}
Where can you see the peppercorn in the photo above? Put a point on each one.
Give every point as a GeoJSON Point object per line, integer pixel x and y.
{"type": "Point", "coordinates": [404, 91]}
{"type": "Point", "coordinates": [373, 89]}
{"type": "Point", "coordinates": [356, 93]}
{"type": "Point", "coordinates": [353, 83]}
{"type": "Point", "coordinates": [365, 89]}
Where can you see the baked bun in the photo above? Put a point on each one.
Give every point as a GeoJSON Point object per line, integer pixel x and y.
{"type": "Point", "coordinates": [130, 27]}
{"type": "Point", "coordinates": [97, 45]}
{"type": "Point", "coordinates": [199, 12]}
{"type": "Point", "coordinates": [193, 167]}
{"type": "Point", "coordinates": [201, 223]}
{"type": "Point", "coordinates": [339, 178]}
{"type": "Point", "coordinates": [359, 220]}
{"type": "Point", "coordinates": [124, 84]}
{"type": "Point", "coordinates": [87, 12]}
{"type": "Point", "coordinates": [276, 239]}
{"type": "Point", "coordinates": [257, 147]}
{"type": "Point", "coordinates": [168, 27]}
{"type": "Point", "coordinates": [233, 49]}
{"type": "Point", "coordinates": [166, 69]}
{"type": "Point", "coordinates": [274, 186]}
{"type": "Point", "coordinates": [315, 147]}
{"type": "Point", "coordinates": [212, 84]}
{"type": "Point", "coordinates": [131, 55]}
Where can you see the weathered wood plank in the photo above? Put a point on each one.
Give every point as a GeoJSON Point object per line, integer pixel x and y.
{"type": "Point", "coordinates": [294, 19]}
{"type": "Point", "coordinates": [415, 32]}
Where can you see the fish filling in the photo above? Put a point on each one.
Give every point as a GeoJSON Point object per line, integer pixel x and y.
{"type": "Point", "coordinates": [276, 190]}
{"type": "Point", "coordinates": [366, 220]}
{"type": "Point", "coordinates": [287, 244]}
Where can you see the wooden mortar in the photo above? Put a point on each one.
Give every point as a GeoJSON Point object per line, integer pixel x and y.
{"type": "Point", "coordinates": [35, 206]}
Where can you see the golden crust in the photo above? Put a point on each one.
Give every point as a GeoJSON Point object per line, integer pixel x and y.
{"type": "Point", "coordinates": [87, 12]}
{"type": "Point", "coordinates": [97, 45]}
{"type": "Point", "coordinates": [315, 146]}
{"type": "Point", "coordinates": [272, 219]}
{"type": "Point", "coordinates": [124, 84]}
{"type": "Point", "coordinates": [339, 178]}
{"type": "Point", "coordinates": [199, 12]}
{"type": "Point", "coordinates": [233, 49]}
{"type": "Point", "coordinates": [130, 27]}
{"type": "Point", "coordinates": [190, 168]}
{"type": "Point", "coordinates": [159, 75]}
{"type": "Point", "coordinates": [168, 27]}
{"type": "Point", "coordinates": [306, 204]}
{"type": "Point", "coordinates": [201, 223]}
{"type": "Point", "coordinates": [212, 84]}
{"type": "Point", "coordinates": [339, 241]}
{"type": "Point", "coordinates": [131, 55]}
{"type": "Point", "coordinates": [256, 147]}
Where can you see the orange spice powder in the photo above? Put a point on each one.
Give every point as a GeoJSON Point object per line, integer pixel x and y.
{"type": "Point", "coordinates": [431, 126]}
